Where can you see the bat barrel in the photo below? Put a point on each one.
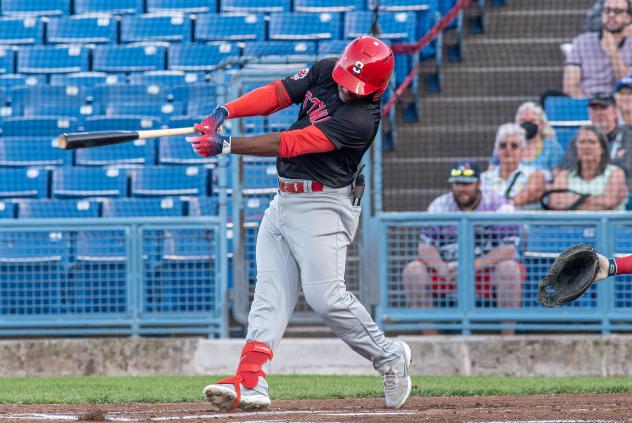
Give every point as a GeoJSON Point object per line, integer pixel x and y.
{"type": "Point", "coordinates": [72, 141]}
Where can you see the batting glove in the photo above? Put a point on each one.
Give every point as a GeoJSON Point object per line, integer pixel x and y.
{"type": "Point", "coordinates": [215, 119]}
{"type": "Point", "coordinates": [210, 143]}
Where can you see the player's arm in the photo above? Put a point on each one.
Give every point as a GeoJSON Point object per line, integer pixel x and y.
{"type": "Point", "coordinates": [616, 190]}
{"type": "Point", "coordinates": [532, 191]}
{"type": "Point", "coordinates": [261, 101]}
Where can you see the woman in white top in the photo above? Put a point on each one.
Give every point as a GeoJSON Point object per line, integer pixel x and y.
{"type": "Point", "coordinates": [521, 185]}
{"type": "Point", "coordinates": [592, 175]}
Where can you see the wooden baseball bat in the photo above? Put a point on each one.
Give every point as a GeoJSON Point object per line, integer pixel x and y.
{"type": "Point", "coordinates": [77, 140]}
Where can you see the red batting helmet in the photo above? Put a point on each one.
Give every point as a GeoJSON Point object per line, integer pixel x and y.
{"type": "Point", "coordinates": [365, 67]}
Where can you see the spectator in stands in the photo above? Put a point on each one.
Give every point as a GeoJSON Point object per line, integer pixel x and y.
{"type": "Point", "coordinates": [521, 185]}
{"type": "Point", "coordinates": [603, 114]}
{"type": "Point", "coordinates": [593, 19]}
{"type": "Point", "coordinates": [433, 273]}
{"type": "Point", "coordinates": [592, 182]}
{"type": "Point", "coordinates": [598, 59]}
{"type": "Point", "coordinates": [542, 152]}
{"type": "Point", "coordinates": [624, 99]}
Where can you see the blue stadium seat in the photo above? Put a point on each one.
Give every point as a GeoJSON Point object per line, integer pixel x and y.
{"type": "Point", "coordinates": [331, 48]}
{"type": "Point", "coordinates": [218, 27]}
{"type": "Point", "coordinates": [13, 80]}
{"type": "Point", "coordinates": [24, 183]}
{"type": "Point", "coordinates": [318, 6]}
{"type": "Point", "coordinates": [139, 152]}
{"type": "Point", "coordinates": [304, 26]}
{"type": "Point", "coordinates": [122, 123]}
{"type": "Point", "coordinates": [281, 120]}
{"type": "Point", "coordinates": [22, 30]}
{"type": "Point", "coordinates": [78, 29]}
{"type": "Point", "coordinates": [36, 209]}
{"type": "Point", "coordinates": [250, 6]}
{"type": "Point", "coordinates": [196, 57]}
{"type": "Point", "coordinates": [256, 205]}
{"type": "Point", "coordinates": [37, 8]}
{"type": "Point", "coordinates": [82, 182]}
{"type": "Point", "coordinates": [115, 7]}
{"type": "Point", "coordinates": [129, 207]}
{"type": "Point", "coordinates": [47, 100]}
{"type": "Point", "coordinates": [128, 58]}
{"type": "Point", "coordinates": [7, 209]}
{"type": "Point", "coordinates": [259, 175]}
{"type": "Point", "coordinates": [565, 135]}
{"type": "Point", "coordinates": [395, 26]}
{"type": "Point", "coordinates": [196, 96]}
{"type": "Point", "coordinates": [280, 52]}
{"type": "Point", "coordinates": [48, 59]}
{"type": "Point", "coordinates": [165, 78]}
{"type": "Point", "coordinates": [169, 181]}
{"type": "Point", "coordinates": [203, 206]}
{"type": "Point", "coordinates": [86, 79]}
{"type": "Point", "coordinates": [176, 151]}
{"type": "Point", "coordinates": [156, 109]}
{"type": "Point", "coordinates": [566, 109]}
{"type": "Point", "coordinates": [124, 99]}
{"type": "Point", "coordinates": [156, 27]}
{"type": "Point", "coordinates": [7, 60]}
{"type": "Point", "coordinates": [47, 126]}
{"type": "Point", "coordinates": [32, 151]}
{"type": "Point", "coordinates": [190, 6]}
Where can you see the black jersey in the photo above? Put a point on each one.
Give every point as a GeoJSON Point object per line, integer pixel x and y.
{"type": "Point", "coordinates": [351, 127]}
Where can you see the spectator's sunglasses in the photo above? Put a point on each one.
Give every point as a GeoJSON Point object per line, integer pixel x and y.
{"type": "Point", "coordinates": [615, 10]}
{"type": "Point", "coordinates": [512, 145]}
{"type": "Point", "coordinates": [462, 172]}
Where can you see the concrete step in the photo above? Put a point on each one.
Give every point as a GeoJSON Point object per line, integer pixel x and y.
{"type": "Point", "coordinates": [441, 141]}
{"type": "Point", "coordinates": [543, 5]}
{"type": "Point", "coordinates": [558, 22]}
{"type": "Point", "coordinates": [470, 111]}
{"type": "Point", "coordinates": [503, 81]}
{"type": "Point", "coordinates": [484, 51]}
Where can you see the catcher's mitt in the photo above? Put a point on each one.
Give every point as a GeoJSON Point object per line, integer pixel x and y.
{"type": "Point", "coordinates": [570, 275]}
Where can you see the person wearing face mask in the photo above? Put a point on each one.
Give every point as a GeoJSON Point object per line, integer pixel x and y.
{"type": "Point", "coordinates": [598, 59]}
{"type": "Point", "coordinates": [542, 151]}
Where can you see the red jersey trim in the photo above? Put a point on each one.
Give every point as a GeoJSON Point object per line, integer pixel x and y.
{"type": "Point", "coordinates": [308, 140]}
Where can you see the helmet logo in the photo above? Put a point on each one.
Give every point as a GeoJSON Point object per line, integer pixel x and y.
{"type": "Point", "coordinates": [357, 68]}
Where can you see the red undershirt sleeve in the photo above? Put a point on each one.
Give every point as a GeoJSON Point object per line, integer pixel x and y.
{"type": "Point", "coordinates": [308, 140]}
{"type": "Point", "coordinates": [260, 102]}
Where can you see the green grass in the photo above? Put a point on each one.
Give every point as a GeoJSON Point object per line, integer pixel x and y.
{"type": "Point", "coordinates": [98, 389]}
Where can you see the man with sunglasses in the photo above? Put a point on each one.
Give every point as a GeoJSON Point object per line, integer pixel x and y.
{"type": "Point", "coordinates": [598, 59]}
{"type": "Point", "coordinates": [432, 275]}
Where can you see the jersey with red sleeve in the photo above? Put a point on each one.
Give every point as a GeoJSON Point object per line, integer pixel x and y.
{"type": "Point", "coordinates": [351, 127]}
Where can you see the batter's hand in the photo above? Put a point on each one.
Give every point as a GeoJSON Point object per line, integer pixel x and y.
{"type": "Point", "coordinates": [210, 142]}
{"type": "Point", "coordinates": [215, 119]}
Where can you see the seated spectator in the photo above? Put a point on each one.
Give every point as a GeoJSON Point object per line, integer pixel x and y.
{"type": "Point", "coordinates": [542, 152]}
{"type": "Point", "coordinates": [598, 59]}
{"type": "Point", "coordinates": [593, 183]}
{"type": "Point", "coordinates": [593, 19]}
{"type": "Point", "coordinates": [521, 185]}
{"type": "Point", "coordinates": [603, 114]}
{"type": "Point", "coordinates": [433, 273]}
{"type": "Point", "coordinates": [623, 98]}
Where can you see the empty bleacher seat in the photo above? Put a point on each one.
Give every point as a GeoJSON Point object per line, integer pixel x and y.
{"type": "Point", "coordinates": [32, 151]}
{"type": "Point", "coordinates": [172, 181]}
{"type": "Point", "coordinates": [305, 26]}
{"type": "Point", "coordinates": [406, 5]}
{"type": "Point", "coordinates": [48, 59]}
{"type": "Point", "coordinates": [7, 60]}
{"type": "Point", "coordinates": [128, 207]}
{"type": "Point", "coordinates": [85, 79]}
{"type": "Point", "coordinates": [156, 27]}
{"type": "Point", "coordinates": [119, 123]}
{"type": "Point", "coordinates": [7, 209]}
{"type": "Point", "coordinates": [218, 27]}
{"type": "Point", "coordinates": [81, 29]}
{"type": "Point", "coordinates": [23, 30]}
{"type": "Point", "coordinates": [565, 135]}
{"type": "Point", "coordinates": [47, 126]}
{"type": "Point", "coordinates": [395, 26]}
{"type": "Point", "coordinates": [203, 206]}
{"type": "Point", "coordinates": [259, 175]}
{"type": "Point", "coordinates": [196, 96]}
{"type": "Point", "coordinates": [38, 8]}
{"type": "Point", "coordinates": [135, 99]}
{"type": "Point", "coordinates": [78, 182]}
{"type": "Point", "coordinates": [283, 119]}
{"type": "Point", "coordinates": [14, 80]}
{"type": "Point", "coordinates": [567, 109]}
{"type": "Point", "coordinates": [196, 57]}
{"type": "Point", "coordinates": [36, 209]}
{"type": "Point", "coordinates": [47, 100]}
{"type": "Point", "coordinates": [190, 6]}
{"type": "Point", "coordinates": [280, 52]}
{"type": "Point", "coordinates": [115, 7]}
{"type": "Point", "coordinates": [24, 183]}
{"type": "Point", "coordinates": [128, 58]}
{"type": "Point", "coordinates": [249, 6]}
{"type": "Point", "coordinates": [165, 78]}
{"type": "Point", "coordinates": [176, 151]}
{"type": "Point", "coordinates": [331, 48]}
{"type": "Point", "coordinates": [318, 6]}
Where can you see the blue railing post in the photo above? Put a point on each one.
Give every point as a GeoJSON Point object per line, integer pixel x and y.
{"type": "Point", "coordinates": [466, 278]}
{"type": "Point", "coordinates": [135, 280]}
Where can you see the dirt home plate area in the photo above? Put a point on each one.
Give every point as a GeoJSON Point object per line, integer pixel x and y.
{"type": "Point", "coordinates": [537, 408]}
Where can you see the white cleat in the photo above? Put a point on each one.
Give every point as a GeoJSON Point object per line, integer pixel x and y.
{"type": "Point", "coordinates": [223, 396]}
{"type": "Point", "coordinates": [397, 382]}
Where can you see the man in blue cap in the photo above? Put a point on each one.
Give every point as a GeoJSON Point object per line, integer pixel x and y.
{"type": "Point", "coordinates": [624, 98]}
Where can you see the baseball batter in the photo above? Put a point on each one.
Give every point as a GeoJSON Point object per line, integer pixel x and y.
{"type": "Point", "coordinates": [312, 220]}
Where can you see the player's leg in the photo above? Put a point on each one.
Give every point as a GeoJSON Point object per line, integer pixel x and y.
{"type": "Point", "coordinates": [276, 293]}
{"type": "Point", "coordinates": [319, 231]}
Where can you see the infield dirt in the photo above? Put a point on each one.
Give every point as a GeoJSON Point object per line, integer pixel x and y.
{"type": "Point", "coordinates": [566, 408]}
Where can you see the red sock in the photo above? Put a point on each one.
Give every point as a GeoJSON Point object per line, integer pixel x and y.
{"type": "Point", "coordinates": [624, 265]}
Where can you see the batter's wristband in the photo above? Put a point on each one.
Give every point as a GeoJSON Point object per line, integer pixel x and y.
{"type": "Point", "coordinates": [612, 267]}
